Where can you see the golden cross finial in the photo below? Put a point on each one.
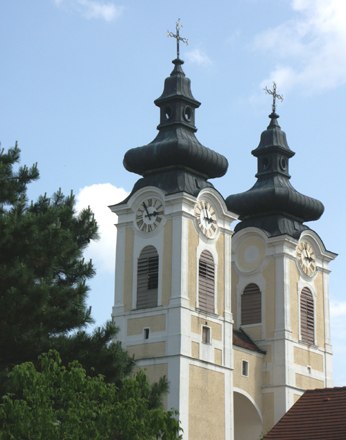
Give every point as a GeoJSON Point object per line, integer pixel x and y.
{"type": "Point", "coordinates": [177, 36]}
{"type": "Point", "coordinates": [274, 95]}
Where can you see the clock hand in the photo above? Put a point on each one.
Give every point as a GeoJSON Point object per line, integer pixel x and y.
{"type": "Point", "coordinates": [157, 213]}
{"type": "Point", "coordinates": [146, 210]}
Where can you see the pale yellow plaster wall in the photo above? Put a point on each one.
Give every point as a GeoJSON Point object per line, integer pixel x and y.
{"type": "Point", "coordinates": [167, 264]}
{"type": "Point", "coordinates": [254, 331]}
{"type": "Point", "coordinates": [192, 264]}
{"type": "Point", "coordinates": [268, 411]}
{"type": "Point", "coordinates": [305, 357]}
{"type": "Point", "coordinates": [296, 397]}
{"type": "Point", "coordinates": [252, 383]}
{"type": "Point", "coordinates": [197, 323]}
{"type": "Point", "coordinates": [206, 404]}
{"type": "Point", "coordinates": [266, 378]}
{"type": "Point", "coordinates": [129, 269]}
{"type": "Point", "coordinates": [147, 350]}
{"type": "Point", "coordinates": [294, 305]}
{"type": "Point", "coordinates": [156, 323]}
{"type": "Point", "coordinates": [269, 352]}
{"type": "Point", "coordinates": [270, 300]}
{"type": "Point", "coordinates": [307, 382]}
{"type": "Point", "coordinates": [319, 313]}
{"type": "Point", "coordinates": [220, 288]}
{"type": "Point", "coordinates": [195, 350]}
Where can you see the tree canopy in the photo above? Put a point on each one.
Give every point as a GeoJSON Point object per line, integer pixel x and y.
{"type": "Point", "coordinates": [63, 403]}
{"type": "Point", "coordinates": [43, 278]}
{"type": "Point", "coordinates": [86, 390]}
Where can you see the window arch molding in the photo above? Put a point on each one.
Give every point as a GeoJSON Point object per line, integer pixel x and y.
{"type": "Point", "coordinates": [139, 243]}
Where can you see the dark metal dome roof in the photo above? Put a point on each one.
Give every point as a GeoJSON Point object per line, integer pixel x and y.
{"type": "Point", "coordinates": [176, 155]}
{"type": "Point", "coordinates": [272, 204]}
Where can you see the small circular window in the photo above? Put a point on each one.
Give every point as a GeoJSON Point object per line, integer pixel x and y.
{"type": "Point", "coordinates": [283, 163]}
{"type": "Point", "coordinates": [187, 113]}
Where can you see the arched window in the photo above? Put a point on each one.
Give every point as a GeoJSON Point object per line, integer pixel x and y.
{"type": "Point", "coordinates": [251, 305]}
{"type": "Point", "coordinates": [206, 282]}
{"type": "Point", "coordinates": [147, 278]}
{"type": "Point", "coordinates": [307, 319]}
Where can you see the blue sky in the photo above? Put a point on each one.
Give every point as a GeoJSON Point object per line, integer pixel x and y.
{"type": "Point", "coordinates": [77, 84]}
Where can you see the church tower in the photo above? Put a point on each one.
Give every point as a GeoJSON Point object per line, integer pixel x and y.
{"type": "Point", "coordinates": [280, 289]}
{"type": "Point", "coordinates": [173, 267]}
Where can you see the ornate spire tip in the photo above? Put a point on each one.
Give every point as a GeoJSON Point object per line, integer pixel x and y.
{"type": "Point", "coordinates": [274, 95]}
{"type": "Point", "coordinates": [177, 36]}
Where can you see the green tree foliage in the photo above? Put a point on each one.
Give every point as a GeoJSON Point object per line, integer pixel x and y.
{"type": "Point", "coordinates": [43, 278]}
{"type": "Point", "coordinates": [63, 403]}
{"type": "Point", "coordinates": [43, 291]}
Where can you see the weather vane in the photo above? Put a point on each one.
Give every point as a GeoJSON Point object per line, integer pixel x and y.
{"type": "Point", "coordinates": [177, 36]}
{"type": "Point", "coordinates": [274, 95]}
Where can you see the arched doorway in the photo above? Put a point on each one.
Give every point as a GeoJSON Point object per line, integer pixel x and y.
{"type": "Point", "coordinates": [247, 420]}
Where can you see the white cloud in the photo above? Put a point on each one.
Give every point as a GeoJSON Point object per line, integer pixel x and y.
{"type": "Point", "coordinates": [310, 51]}
{"type": "Point", "coordinates": [197, 56]}
{"type": "Point", "coordinates": [99, 197]}
{"type": "Point", "coordinates": [92, 9]}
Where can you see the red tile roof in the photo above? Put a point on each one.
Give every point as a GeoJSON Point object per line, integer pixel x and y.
{"type": "Point", "coordinates": [318, 414]}
{"type": "Point", "coordinates": [241, 339]}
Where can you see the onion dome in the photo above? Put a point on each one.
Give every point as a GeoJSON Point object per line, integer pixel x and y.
{"type": "Point", "coordinates": [272, 204]}
{"type": "Point", "coordinates": [175, 160]}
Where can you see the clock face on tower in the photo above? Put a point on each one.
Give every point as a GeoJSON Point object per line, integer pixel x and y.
{"type": "Point", "coordinates": [149, 214]}
{"type": "Point", "coordinates": [206, 218]}
{"type": "Point", "coordinates": [306, 258]}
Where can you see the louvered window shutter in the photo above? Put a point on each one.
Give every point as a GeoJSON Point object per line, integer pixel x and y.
{"type": "Point", "coordinates": [147, 278]}
{"type": "Point", "coordinates": [307, 319]}
{"type": "Point", "coordinates": [206, 282]}
{"type": "Point", "coordinates": [251, 305]}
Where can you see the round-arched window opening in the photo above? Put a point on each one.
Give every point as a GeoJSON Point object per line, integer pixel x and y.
{"type": "Point", "coordinates": [168, 112]}
{"type": "Point", "coordinates": [283, 163]}
{"type": "Point", "coordinates": [187, 113]}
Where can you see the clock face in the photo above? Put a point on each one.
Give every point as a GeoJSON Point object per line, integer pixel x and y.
{"type": "Point", "coordinates": [306, 258]}
{"type": "Point", "coordinates": [206, 218]}
{"type": "Point", "coordinates": [149, 214]}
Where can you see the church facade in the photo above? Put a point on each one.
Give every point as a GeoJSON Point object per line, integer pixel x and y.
{"type": "Point", "coordinates": [236, 317]}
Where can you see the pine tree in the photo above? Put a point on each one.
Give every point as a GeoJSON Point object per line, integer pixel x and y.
{"type": "Point", "coordinates": [43, 292]}
{"type": "Point", "coordinates": [43, 278]}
